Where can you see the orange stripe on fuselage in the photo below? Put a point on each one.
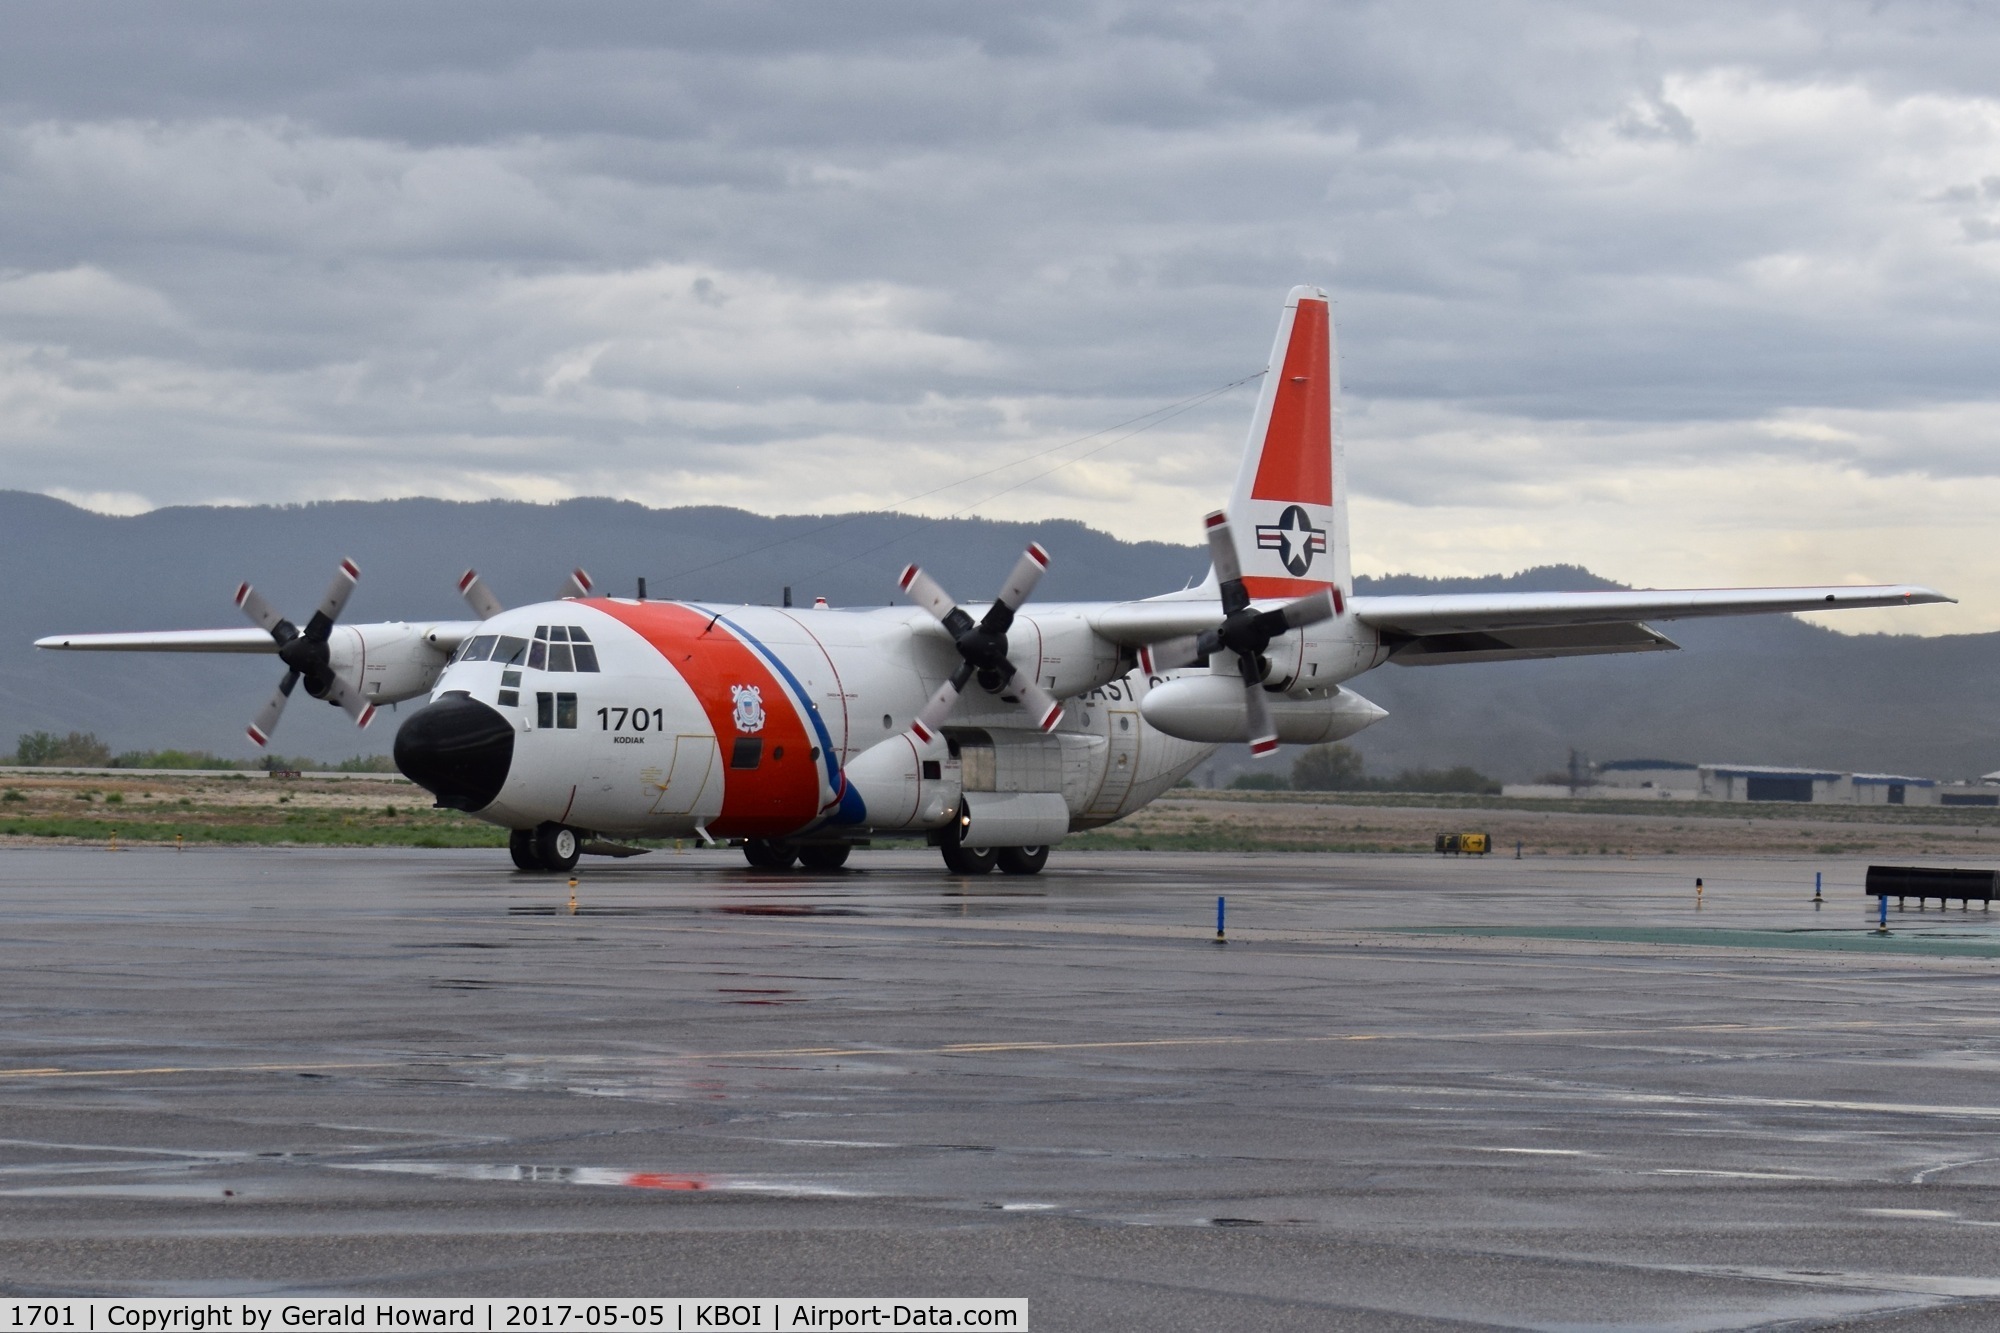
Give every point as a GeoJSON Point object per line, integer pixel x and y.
{"type": "Point", "coordinates": [1296, 463]}
{"type": "Point", "coordinates": [781, 794]}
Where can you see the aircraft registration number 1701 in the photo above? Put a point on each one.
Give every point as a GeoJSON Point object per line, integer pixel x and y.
{"type": "Point", "coordinates": [614, 719]}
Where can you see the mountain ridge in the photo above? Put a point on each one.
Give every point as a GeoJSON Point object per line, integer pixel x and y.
{"type": "Point", "coordinates": [1758, 689]}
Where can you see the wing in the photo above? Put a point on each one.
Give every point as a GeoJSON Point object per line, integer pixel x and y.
{"type": "Point", "coordinates": [1472, 613]}
{"type": "Point", "coordinates": [247, 640]}
{"type": "Point", "coordinates": [1508, 627]}
{"type": "Point", "coordinates": [1499, 627]}
{"type": "Point", "coordinates": [1136, 624]}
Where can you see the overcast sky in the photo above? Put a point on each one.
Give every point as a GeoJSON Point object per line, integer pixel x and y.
{"type": "Point", "coordinates": [1702, 295]}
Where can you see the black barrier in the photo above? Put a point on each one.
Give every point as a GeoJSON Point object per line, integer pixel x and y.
{"type": "Point", "coordinates": [1921, 882]}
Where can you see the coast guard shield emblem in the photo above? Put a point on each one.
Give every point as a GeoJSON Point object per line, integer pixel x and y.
{"type": "Point", "coordinates": [749, 707]}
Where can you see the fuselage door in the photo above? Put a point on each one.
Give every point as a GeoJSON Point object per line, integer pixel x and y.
{"type": "Point", "coordinates": [1122, 764]}
{"type": "Point", "coordinates": [689, 769]}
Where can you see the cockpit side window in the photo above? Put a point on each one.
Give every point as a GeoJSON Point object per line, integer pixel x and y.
{"type": "Point", "coordinates": [508, 651]}
{"type": "Point", "coordinates": [586, 656]}
{"type": "Point", "coordinates": [538, 654]}
{"type": "Point", "coordinates": [477, 648]}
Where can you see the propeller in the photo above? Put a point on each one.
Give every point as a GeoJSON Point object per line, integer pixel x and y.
{"type": "Point", "coordinates": [1244, 631]}
{"type": "Point", "coordinates": [982, 644]}
{"type": "Point", "coordinates": [485, 605]}
{"type": "Point", "coordinates": [305, 652]}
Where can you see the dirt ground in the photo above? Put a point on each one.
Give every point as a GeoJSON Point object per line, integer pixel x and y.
{"type": "Point", "coordinates": [1372, 822]}
{"type": "Point", "coordinates": [154, 804]}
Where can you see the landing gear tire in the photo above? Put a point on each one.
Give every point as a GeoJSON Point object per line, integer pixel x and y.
{"type": "Point", "coordinates": [557, 847]}
{"type": "Point", "coordinates": [965, 861]}
{"type": "Point", "coordinates": [765, 854]}
{"type": "Point", "coordinates": [824, 856]}
{"type": "Point", "coordinates": [960, 860]}
{"type": "Point", "coordinates": [521, 846]}
{"type": "Point", "coordinates": [1022, 860]}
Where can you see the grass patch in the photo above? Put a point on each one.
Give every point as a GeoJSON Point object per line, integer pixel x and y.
{"type": "Point", "coordinates": [301, 828]}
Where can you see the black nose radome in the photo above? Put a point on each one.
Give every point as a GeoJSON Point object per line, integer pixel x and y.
{"type": "Point", "coordinates": [458, 750]}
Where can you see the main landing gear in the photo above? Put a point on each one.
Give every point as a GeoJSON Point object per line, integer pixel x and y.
{"type": "Point", "coordinates": [551, 847]}
{"type": "Point", "coordinates": [962, 860]}
{"type": "Point", "coordinates": [984, 861]}
{"type": "Point", "coordinates": [772, 854]}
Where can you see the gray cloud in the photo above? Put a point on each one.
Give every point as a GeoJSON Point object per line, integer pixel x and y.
{"type": "Point", "coordinates": [795, 255]}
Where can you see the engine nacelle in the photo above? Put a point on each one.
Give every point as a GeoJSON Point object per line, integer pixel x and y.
{"type": "Point", "coordinates": [905, 784]}
{"type": "Point", "coordinates": [1209, 709]}
{"type": "Point", "coordinates": [389, 662]}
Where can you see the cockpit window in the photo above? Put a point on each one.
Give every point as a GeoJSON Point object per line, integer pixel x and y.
{"type": "Point", "coordinates": [508, 651]}
{"type": "Point", "coordinates": [538, 654]}
{"type": "Point", "coordinates": [558, 634]}
{"type": "Point", "coordinates": [576, 635]}
{"type": "Point", "coordinates": [559, 659]}
{"type": "Point", "coordinates": [477, 649]}
{"type": "Point", "coordinates": [541, 631]}
{"type": "Point", "coordinates": [586, 656]}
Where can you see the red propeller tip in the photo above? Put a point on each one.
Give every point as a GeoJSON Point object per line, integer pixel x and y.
{"type": "Point", "coordinates": [465, 579]}
{"type": "Point", "coordinates": [242, 591]}
{"type": "Point", "coordinates": [1146, 659]}
{"type": "Point", "coordinates": [258, 736]}
{"type": "Point", "coordinates": [367, 716]}
{"type": "Point", "coordinates": [1264, 745]}
{"type": "Point", "coordinates": [352, 570]}
{"type": "Point", "coordinates": [909, 572]}
{"type": "Point", "coordinates": [923, 733]}
{"type": "Point", "coordinates": [1051, 718]}
{"type": "Point", "coordinates": [1038, 555]}
{"type": "Point", "coordinates": [1215, 520]}
{"type": "Point", "coordinates": [582, 579]}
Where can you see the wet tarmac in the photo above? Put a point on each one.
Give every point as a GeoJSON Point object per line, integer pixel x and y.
{"type": "Point", "coordinates": [1409, 1092]}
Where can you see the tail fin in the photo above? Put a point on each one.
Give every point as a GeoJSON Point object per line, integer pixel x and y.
{"type": "Point", "coordinates": [1289, 508]}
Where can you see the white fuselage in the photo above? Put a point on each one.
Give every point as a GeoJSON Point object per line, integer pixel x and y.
{"type": "Point", "coordinates": [755, 721]}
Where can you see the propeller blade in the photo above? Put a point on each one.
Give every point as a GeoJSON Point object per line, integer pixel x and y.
{"type": "Point", "coordinates": [262, 614]}
{"type": "Point", "coordinates": [266, 721]}
{"type": "Point", "coordinates": [939, 706]}
{"type": "Point", "coordinates": [337, 592]}
{"type": "Point", "coordinates": [1308, 610]}
{"type": "Point", "coordinates": [1256, 712]}
{"type": "Point", "coordinates": [321, 625]}
{"type": "Point", "coordinates": [1028, 571]}
{"type": "Point", "coordinates": [347, 698]}
{"type": "Point", "coordinates": [578, 584]}
{"type": "Point", "coordinates": [478, 596]}
{"type": "Point", "coordinates": [1222, 548]}
{"type": "Point", "coordinates": [1041, 705]}
{"type": "Point", "coordinates": [1169, 654]}
{"type": "Point", "coordinates": [927, 592]}
{"type": "Point", "coordinates": [1305, 611]}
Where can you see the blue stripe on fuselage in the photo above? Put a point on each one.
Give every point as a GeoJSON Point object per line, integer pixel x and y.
{"type": "Point", "coordinates": [852, 810]}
